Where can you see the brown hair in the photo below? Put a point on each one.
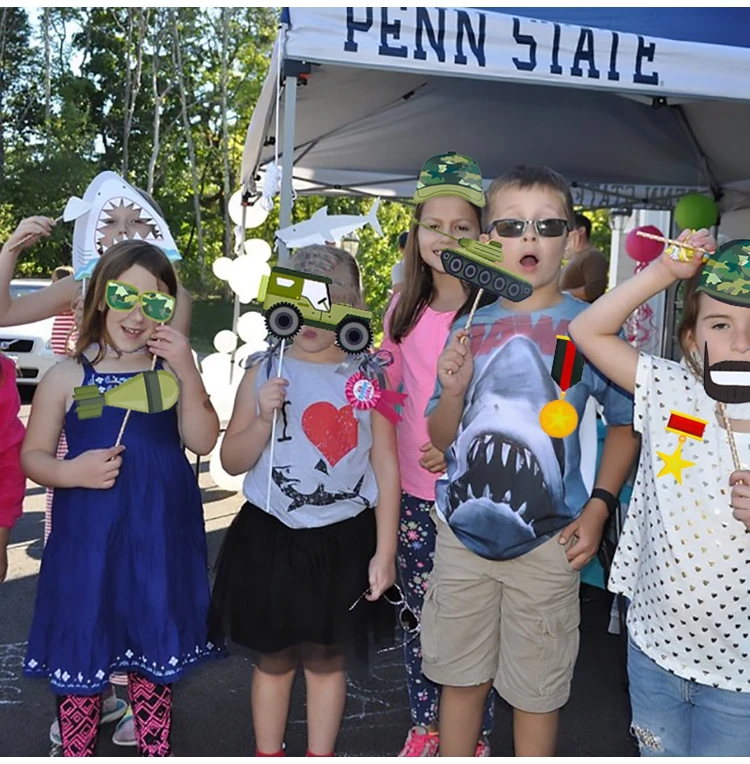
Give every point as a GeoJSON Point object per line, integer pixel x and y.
{"type": "Point", "coordinates": [61, 272]}
{"type": "Point", "coordinates": [336, 264]}
{"type": "Point", "coordinates": [527, 176]}
{"type": "Point", "coordinates": [417, 286]}
{"type": "Point", "coordinates": [109, 267]}
{"type": "Point", "coordinates": [686, 330]}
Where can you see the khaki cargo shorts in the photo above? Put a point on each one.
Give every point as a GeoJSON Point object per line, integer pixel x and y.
{"type": "Point", "coordinates": [514, 622]}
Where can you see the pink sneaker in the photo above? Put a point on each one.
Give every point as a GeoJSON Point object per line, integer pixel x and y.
{"type": "Point", "coordinates": [483, 748]}
{"type": "Point", "coordinates": [420, 742]}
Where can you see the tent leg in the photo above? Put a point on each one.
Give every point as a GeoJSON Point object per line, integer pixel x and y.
{"type": "Point", "coordinates": [287, 161]}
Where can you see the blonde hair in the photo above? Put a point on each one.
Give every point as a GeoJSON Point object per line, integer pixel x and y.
{"type": "Point", "coordinates": [336, 264]}
{"type": "Point", "coordinates": [527, 176]}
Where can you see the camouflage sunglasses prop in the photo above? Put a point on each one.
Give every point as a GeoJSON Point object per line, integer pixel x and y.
{"type": "Point", "coordinates": [288, 299]}
{"type": "Point", "coordinates": [156, 306]}
{"type": "Point", "coordinates": [450, 174]}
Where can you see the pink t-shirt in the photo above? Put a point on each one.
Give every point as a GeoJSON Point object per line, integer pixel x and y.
{"type": "Point", "coordinates": [415, 365]}
{"type": "Point", "coordinates": [12, 480]}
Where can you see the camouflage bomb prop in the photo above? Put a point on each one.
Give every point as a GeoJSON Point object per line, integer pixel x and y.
{"type": "Point", "coordinates": [150, 392]}
{"type": "Point", "coordinates": [288, 299]}
{"type": "Point", "coordinates": [558, 418]}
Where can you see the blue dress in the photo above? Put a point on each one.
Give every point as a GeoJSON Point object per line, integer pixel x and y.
{"type": "Point", "coordinates": [124, 579]}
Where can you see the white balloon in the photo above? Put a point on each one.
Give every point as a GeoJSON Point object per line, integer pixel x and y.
{"type": "Point", "coordinates": [251, 327]}
{"type": "Point", "coordinates": [246, 276]}
{"type": "Point", "coordinates": [222, 268]}
{"type": "Point", "coordinates": [259, 249]}
{"type": "Point", "coordinates": [215, 372]}
{"type": "Point", "coordinates": [225, 341]}
{"type": "Point", "coordinates": [223, 480]}
{"type": "Point", "coordinates": [255, 215]}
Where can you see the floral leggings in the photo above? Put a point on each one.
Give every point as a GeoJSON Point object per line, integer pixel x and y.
{"type": "Point", "coordinates": [416, 550]}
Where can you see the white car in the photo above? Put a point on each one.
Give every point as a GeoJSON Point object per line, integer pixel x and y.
{"type": "Point", "coordinates": [29, 345]}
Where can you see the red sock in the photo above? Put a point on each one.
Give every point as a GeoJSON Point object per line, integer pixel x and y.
{"type": "Point", "coordinates": [320, 755]}
{"type": "Point", "coordinates": [278, 753]}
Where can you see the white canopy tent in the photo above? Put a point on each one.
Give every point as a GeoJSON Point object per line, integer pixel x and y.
{"type": "Point", "coordinates": [635, 107]}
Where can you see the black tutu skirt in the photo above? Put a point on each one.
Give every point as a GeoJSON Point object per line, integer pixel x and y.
{"type": "Point", "coordinates": [278, 587]}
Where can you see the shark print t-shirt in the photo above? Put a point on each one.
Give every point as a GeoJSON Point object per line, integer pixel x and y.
{"type": "Point", "coordinates": [321, 459]}
{"type": "Point", "coordinates": [509, 486]}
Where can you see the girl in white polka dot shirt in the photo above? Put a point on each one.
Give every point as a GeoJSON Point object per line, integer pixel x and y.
{"type": "Point", "coordinates": [684, 555]}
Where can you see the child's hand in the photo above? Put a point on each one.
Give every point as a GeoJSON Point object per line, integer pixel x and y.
{"type": "Point", "coordinates": [586, 532]}
{"type": "Point", "coordinates": [685, 270]}
{"type": "Point", "coordinates": [456, 365]}
{"type": "Point", "coordinates": [34, 228]}
{"type": "Point", "coordinates": [4, 539]}
{"type": "Point", "coordinates": [433, 459]}
{"type": "Point", "coordinates": [271, 397]}
{"type": "Point", "coordinates": [382, 575]}
{"type": "Point", "coordinates": [98, 468]}
{"type": "Point", "coordinates": [740, 497]}
{"type": "Point", "coordinates": [174, 348]}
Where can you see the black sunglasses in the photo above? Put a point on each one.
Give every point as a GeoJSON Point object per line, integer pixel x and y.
{"type": "Point", "coordinates": [512, 228]}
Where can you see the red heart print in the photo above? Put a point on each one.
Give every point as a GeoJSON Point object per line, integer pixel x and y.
{"type": "Point", "coordinates": [332, 431]}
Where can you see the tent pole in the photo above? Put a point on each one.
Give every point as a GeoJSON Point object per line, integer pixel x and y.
{"type": "Point", "coordinates": [287, 161]}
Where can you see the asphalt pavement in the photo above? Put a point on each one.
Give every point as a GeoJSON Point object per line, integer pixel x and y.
{"type": "Point", "coordinates": [212, 704]}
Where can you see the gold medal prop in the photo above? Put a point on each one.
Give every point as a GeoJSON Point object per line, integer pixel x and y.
{"type": "Point", "coordinates": [559, 418]}
{"type": "Point", "coordinates": [686, 427]}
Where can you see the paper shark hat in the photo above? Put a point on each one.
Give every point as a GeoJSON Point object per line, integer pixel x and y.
{"type": "Point", "coordinates": [450, 174]}
{"type": "Point", "coordinates": [726, 275]}
{"type": "Point", "coordinates": [106, 193]}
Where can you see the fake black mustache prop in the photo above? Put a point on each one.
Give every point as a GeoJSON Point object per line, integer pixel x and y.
{"type": "Point", "coordinates": [730, 393]}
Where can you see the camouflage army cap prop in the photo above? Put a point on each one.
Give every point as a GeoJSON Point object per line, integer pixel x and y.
{"type": "Point", "coordinates": [726, 275]}
{"type": "Point", "coordinates": [450, 174]}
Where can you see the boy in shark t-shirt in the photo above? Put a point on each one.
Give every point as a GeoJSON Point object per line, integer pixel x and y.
{"type": "Point", "coordinates": [515, 522]}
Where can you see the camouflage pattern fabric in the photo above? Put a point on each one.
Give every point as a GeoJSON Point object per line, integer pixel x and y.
{"type": "Point", "coordinates": [726, 275]}
{"type": "Point", "coordinates": [450, 174]}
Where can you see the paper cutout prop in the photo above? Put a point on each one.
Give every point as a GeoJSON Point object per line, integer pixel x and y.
{"type": "Point", "coordinates": [677, 250]}
{"type": "Point", "coordinates": [74, 209]}
{"type": "Point", "coordinates": [290, 298]}
{"type": "Point", "coordinates": [150, 392]}
{"type": "Point", "coordinates": [322, 227]}
{"type": "Point", "coordinates": [367, 389]}
{"type": "Point", "coordinates": [478, 265]}
{"type": "Point", "coordinates": [156, 306]}
{"type": "Point", "coordinates": [558, 418]}
{"type": "Point", "coordinates": [686, 427]}
{"type": "Point", "coordinates": [113, 202]}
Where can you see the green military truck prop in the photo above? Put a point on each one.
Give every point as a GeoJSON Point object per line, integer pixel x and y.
{"type": "Point", "coordinates": [289, 299]}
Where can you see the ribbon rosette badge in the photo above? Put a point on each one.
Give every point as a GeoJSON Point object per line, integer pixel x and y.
{"type": "Point", "coordinates": [365, 393]}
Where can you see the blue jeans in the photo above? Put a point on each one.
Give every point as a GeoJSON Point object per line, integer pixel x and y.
{"type": "Point", "coordinates": [677, 717]}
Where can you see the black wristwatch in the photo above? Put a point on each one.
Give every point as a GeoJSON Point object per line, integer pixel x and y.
{"type": "Point", "coordinates": [612, 502]}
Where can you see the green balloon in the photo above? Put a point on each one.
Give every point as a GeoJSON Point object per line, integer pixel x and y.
{"type": "Point", "coordinates": [696, 211]}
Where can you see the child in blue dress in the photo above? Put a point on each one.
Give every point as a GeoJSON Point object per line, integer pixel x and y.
{"type": "Point", "coordinates": [123, 584]}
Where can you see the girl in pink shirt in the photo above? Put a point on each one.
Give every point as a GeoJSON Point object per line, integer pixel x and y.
{"type": "Point", "coordinates": [417, 324]}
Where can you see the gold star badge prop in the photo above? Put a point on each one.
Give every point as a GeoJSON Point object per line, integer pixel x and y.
{"type": "Point", "coordinates": [558, 418]}
{"type": "Point", "coordinates": [686, 427]}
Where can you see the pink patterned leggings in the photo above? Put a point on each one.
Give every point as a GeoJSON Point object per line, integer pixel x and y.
{"type": "Point", "coordinates": [152, 716]}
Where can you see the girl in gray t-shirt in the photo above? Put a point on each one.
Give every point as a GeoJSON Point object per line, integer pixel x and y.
{"type": "Point", "coordinates": [288, 573]}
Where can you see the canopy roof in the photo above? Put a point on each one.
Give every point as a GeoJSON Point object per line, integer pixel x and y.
{"type": "Point", "coordinates": [633, 106]}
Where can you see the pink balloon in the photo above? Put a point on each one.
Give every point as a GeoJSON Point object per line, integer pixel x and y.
{"type": "Point", "coordinates": [644, 250]}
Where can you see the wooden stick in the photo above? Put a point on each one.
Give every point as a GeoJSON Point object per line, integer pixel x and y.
{"type": "Point", "coordinates": [127, 413]}
{"type": "Point", "coordinates": [273, 435]}
{"type": "Point", "coordinates": [471, 317]}
{"type": "Point", "coordinates": [730, 438]}
{"type": "Point", "coordinates": [674, 243]}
